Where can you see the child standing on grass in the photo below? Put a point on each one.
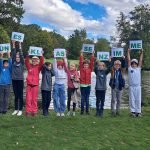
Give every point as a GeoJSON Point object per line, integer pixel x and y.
{"type": "Point", "coordinates": [101, 79]}
{"type": "Point", "coordinates": [117, 83]}
{"type": "Point", "coordinates": [59, 88]}
{"type": "Point", "coordinates": [134, 72]}
{"type": "Point", "coordinates": [5, 82]}
{"type": "Point", "coordinates": [46, 87]}
{"type": "Point", "coordinates": [86, 69]}
{"type": "Point", "coordinates": [17, 78]}
{"type": "Point", "coordinates": [73, 76]}
{"type": "Point", "coordinates": [33, 83]}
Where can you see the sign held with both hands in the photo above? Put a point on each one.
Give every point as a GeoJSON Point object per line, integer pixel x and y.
{"type": "Point", "coordinates": [103, 56]}
{"type": "Point", "coordinates": [88, 48]}
{"type": "Point", "coordinates": [5, 47]}
{"type": "Point", "coordinates": [35, 51]}
{"type": "Point", "coordinates": [136, 44]}
{"type": "Point", "coordinates": [16, 36]}
{"type": "Point", "coordinates": [117, 52]}
{"type": "Point", "coordinates": [59, 52]}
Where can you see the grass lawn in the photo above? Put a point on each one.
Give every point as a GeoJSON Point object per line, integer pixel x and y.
{"type": "Point", "coordinates": [75, 133]}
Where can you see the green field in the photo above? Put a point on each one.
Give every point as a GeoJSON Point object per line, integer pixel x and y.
{"type": "Point", "coordinates": [75, 133]}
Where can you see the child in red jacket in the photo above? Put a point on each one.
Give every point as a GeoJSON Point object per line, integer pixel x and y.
{"type": "Point", "coordinates": [85, 81]}
{"type": "Point", "coordinates": [32, 83]}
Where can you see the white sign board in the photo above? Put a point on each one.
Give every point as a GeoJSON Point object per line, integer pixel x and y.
{"type": "Point", "coordinates": [35, 51]}
{"type": "Point", "coordinates": [117, 52]}
{"type": "Point", "coordinates": [5, 47]}
{"type": "Point", "coordinates": [88, 48]}
{"type": "Point", "coordinates": [59, 52]}
{"type": "Point", "coordinates": [16, 36]}
{"type": "Point", "coordinates": [103, 56]}
{"type": "Point", "coordinates": [136, 44]}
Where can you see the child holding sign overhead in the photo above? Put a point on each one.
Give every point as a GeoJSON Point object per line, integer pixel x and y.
{"type": "Point", "coordinates": [73, 85]}
{"type": "Point", "coordinates": [5, 82]}
{"type": "Point", "coordinates": [134, 72]}
{"type": "Point", "coordinates": [59, 88]}
{"type": "Point", "coordinates": [17, 77]}
{"type": "Point", "coordinates": [86, 68]}
{"type": "Point", "coordinates": [33, 83]}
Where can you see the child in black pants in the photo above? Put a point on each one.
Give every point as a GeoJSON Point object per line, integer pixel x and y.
{"type": "Point", "coordinates": [46, 87]}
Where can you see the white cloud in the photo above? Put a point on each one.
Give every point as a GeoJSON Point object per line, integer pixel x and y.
{"type": "Point", "coordinates": [64, 19]}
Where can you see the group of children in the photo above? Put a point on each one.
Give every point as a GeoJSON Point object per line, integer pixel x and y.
{"type": "Point", "coordinates": [78, 83]}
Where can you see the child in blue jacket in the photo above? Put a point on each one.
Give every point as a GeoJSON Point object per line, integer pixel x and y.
{"type": "Point", "coordinates": [5, 82]}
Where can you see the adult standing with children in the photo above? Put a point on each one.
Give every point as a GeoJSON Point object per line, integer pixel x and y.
{"type": "Point", "coordinates": [17, 77]}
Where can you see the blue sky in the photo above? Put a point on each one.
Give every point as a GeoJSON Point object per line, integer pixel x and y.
{"type": "Point", "coordinates": [98, 17]}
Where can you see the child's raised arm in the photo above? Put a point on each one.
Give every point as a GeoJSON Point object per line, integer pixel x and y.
{"type": "Point", "coordinates": [1, 60]}
{"type": "Point", "coordinates": [13, 51]}
{"type": "Point", "coordinates": [55, 65]}
{"type": "Point", "coordinates": [27, 62]}
{"type": "Point", "coordinates": [81, 60]}
{"type": "Point", "coordinates": [41, 62]}
{"type": "Point", "coordinates": [65, 64]}
{"type": "Point", "coordinates": [141, 58]}
{"type": "Point", "coordinates": [21, 53]}
{"type": "Point", "coordinates": [129, 58]}
{"type": "Point", "coordinates": [92, 61]}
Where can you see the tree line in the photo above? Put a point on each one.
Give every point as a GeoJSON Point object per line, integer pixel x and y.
{"type": "Point", "coordinates": [133, 26]}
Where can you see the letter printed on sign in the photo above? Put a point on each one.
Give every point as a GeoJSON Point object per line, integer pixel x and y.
{"type": "Point", "coordinates": [88, 48]}
{"type": "Point", "coordinates": [103, 56]}
{"type": "Point", "coordinates": [16, 36]}
{"type": "Point", "coordinates": [137, 44]}
{"type": "Point", "coordinates": [117, 52]}
{"type": "Point", "coordinates": [35, 51]}
{"type": "Point", "coordinates": [59, 52]}
{"type": "Point", "coordinates": [5, 47]}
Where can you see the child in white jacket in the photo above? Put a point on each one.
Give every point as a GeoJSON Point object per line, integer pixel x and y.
{"type": "Point", "coordinates": [59, 96]}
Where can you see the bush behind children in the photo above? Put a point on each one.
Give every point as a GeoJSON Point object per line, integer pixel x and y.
{"type": "Point", "coordinates": [79, 83]}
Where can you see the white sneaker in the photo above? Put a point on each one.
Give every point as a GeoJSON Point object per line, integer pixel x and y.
{"type": "Point", "coordinates": [62, 114]}
{"type": "Point", "coordinates": [15, 112]}
{"type": "Point", "coordinates": [19, 113]}
{"type": "Point", "coordinates": [68, 114]}
{"type": "Point", "coordinates": [58, 114]}
{"type": "Point", "coordinates": [73, 114]}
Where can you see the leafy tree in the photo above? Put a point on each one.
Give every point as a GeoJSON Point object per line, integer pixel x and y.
{"type": "Point", "coordinates": [4, 38]}
{"type": "Point", "coordinates": [11, 12]}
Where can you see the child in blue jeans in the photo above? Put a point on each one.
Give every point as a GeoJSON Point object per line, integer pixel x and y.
{"type": "Point", "coordinates": [5, 82]}
{"type": "Point", "coordinates": [59, 88]}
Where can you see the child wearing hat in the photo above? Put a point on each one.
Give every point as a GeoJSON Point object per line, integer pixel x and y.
{"type": "Point", "coordinates": [59, 96]}
{"type": "Point", "coordinates": [134, 73]}
{"type": "Point", "coordinates": [33, 69]}
{"type": "Point", "coordinates": [117, 84]}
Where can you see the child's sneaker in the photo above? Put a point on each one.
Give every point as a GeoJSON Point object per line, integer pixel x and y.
{"type": "Point", "coordinates": [62, 114]}
{"type": "Point", "coordinates": [68, 114]}
{"type": "Point", "coordinates": [139, 115]}
{"type": "Point", "coordinates": [73, 114]}
{"type": "Point", "coordinates": [58, 114]}
{"type": "Point", "coordinates": [133, 114]}
{"type": "Point", "coordinates": [15, 112]}
{"type": "Point", "coordinates": [19, 113]}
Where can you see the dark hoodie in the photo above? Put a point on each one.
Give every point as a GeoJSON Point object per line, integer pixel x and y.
{"type": "Point", "coordinates": [17, 67]}
{"type": "Point", "coordinates": [47, 78]}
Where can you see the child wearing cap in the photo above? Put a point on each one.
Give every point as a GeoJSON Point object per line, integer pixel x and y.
{"type": "Point", "coordinates": [59, 96]}
{"type": "Point", "coordinates": [86, 69]}
{"type": "Point", "coordinates": [134, 73]}
{"type": "Point", "coordinates": [33, 69]}
{"type": "Point", "coordinates": [5, 82]}
{"type": "Point", "coordinates": [117, 84]}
